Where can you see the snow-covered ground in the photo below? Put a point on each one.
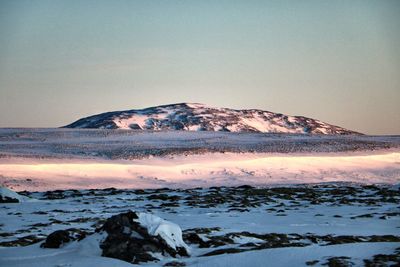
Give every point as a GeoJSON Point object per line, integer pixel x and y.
{"type": "Point", "coordinates": [45, 159]}
{"type": "Point", "coordinates": [202, 170]}
{"type": "Point", "coordinates": [315, 200]}
{"type": "Point", "coordinates": [243, 226]}
{"type": "Point", "coordinates": [130, 144]}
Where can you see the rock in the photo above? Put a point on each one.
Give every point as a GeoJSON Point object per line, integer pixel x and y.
{"type": "Point", "coordinates": [245, 187]}
{"type": "Point", "coordinates": [9, 196]}
{"type": "Point", "coordinates": [56, 194]}
{"type": "Point", "coordinates": [22, 241]}
{"type": "Point", "coordinates": [60, 237]}
{"type": "Point", "coordinates": [338, 262]}
{"type": "Point", "coordinates": [8, 200]}
{"type": "Point", "coordinates": [175, 264]}
{"type": "Point", "coordinates": [384, 259]}
{"type": "Point", "coordinates": [222, 251]}
{"type": "Point", "coordinates": [137, 237]}
{"type": "Point", "coordinates": [56, 239]}
{"type": "Point", "coordinates": [163, 197]}
{"type": "Point", "coordinates": [193, 238]}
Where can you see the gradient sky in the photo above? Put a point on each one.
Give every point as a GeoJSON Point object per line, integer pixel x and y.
{"type": "Point", "coordinates": [337, 61]}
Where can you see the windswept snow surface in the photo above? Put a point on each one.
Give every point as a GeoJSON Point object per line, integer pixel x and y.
{"type": "Point", "coordinates": [33, 256]}
{"type": "Point", "coordinates": [45, 159]}
{"type": "Point", "coordinates": [288, 257]}
{"type": "Point", "coordinates": [129, 144]}
{"type": "Point", "coordinates": [203, 170]}
{"type": "Point", "coordinates": [251, 224]}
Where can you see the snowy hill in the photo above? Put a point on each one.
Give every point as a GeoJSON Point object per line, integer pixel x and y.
{"type": "Point", "coordinates": [199, 117]}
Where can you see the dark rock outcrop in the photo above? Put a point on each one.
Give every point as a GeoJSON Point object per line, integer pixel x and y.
{"type": "Point", "coordinates": [56, 239]}
{"type": "Point", "coordinates": [60, 237]}
{"type": "Point", "coordinates": [8, 200]}
{"type": "Point", "coordinates": [128, 240]}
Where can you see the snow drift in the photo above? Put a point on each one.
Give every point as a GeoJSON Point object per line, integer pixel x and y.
{"type": "Point", "coordinates": [9, 196]}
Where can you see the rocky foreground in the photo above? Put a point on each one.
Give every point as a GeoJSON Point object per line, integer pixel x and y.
{"type": "Point", "coordinates": [322, 224]}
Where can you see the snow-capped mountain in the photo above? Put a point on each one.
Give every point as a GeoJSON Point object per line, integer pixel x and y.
{"type": "Point", "coordinates": [199, 117]}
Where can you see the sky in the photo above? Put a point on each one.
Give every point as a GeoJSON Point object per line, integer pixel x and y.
{"type": "Point", "coordinates": [336, 61]}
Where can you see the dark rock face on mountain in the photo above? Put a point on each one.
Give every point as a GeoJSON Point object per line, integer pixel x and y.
{"type": "Point", "coordinates": [198, 117]}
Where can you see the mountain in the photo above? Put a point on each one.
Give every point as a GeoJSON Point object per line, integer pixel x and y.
{"type": "Point", "coordinates": [199, 117]}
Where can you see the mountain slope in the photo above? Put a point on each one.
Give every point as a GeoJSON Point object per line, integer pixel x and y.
{"type": "Point", "coordinates": [199, 117]}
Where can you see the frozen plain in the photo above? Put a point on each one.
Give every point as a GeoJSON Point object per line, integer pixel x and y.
{"type": "Point", "coordinates": [45, 159]}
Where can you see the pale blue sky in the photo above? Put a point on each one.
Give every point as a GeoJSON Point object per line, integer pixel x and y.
{"type": "Point", "coordinates": [337, 61]}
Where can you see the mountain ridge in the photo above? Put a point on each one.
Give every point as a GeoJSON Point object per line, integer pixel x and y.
{"type": "Point", "coordinates": [200, 117]}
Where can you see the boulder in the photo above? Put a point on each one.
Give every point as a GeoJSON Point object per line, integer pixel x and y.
{"type": "Point", "coordinates": [139, 237]}
{"type": "Point", "coordinates": [56, 239]}
{"type": "Point", "coordinates": [132, 237]}
{"type": "Point", "coordinates": [60, 237]}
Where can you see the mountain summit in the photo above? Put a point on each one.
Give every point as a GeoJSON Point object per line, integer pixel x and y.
{"type": "Point", "coordinates": [199, 117]}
